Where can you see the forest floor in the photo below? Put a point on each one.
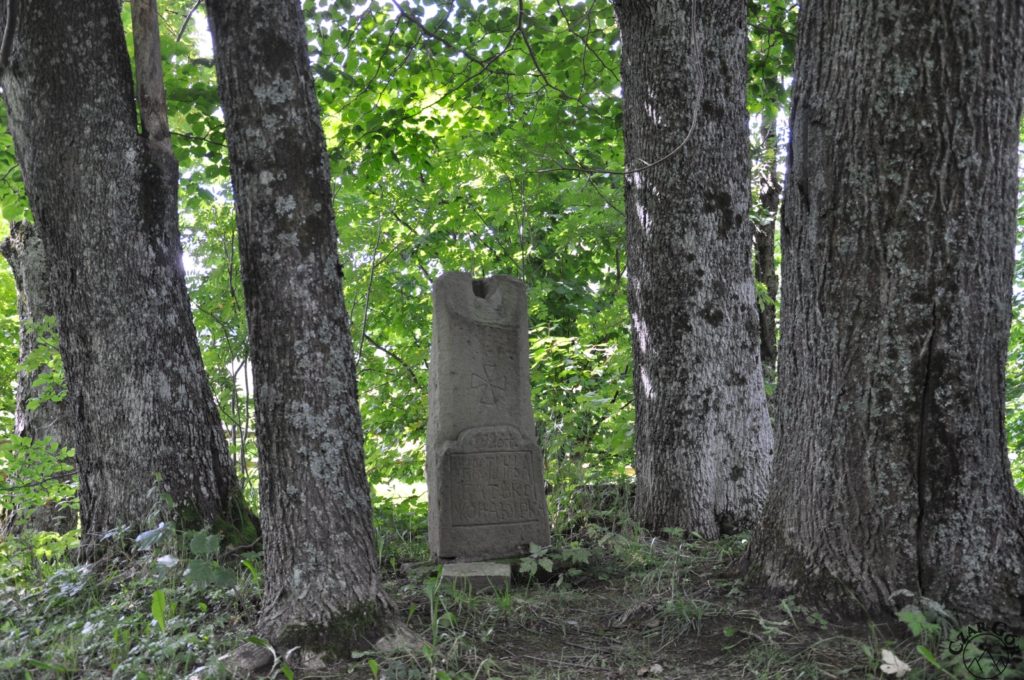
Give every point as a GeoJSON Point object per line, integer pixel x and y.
{"type": "Point", "coordinates": [629, 609]}
{"type": "Point", "coordinates": [603, 602]}
{"type": "Point", "coordinates": [618, 606]}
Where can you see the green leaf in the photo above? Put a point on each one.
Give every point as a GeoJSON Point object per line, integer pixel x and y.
{"type": "Point", "coordinates": [929, 656]}
{"type": "Point", "coordinates": [208, 573]}
{"type": "Point", "coordinates": [12, 211]}
{"type": "Point", "coordinates": [204, 544]}
{"type": "Point", "coordinates": [157, 607]}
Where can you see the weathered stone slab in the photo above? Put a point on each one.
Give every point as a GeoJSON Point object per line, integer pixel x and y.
{"type": "Point", "coordinates": [484, 468]}
{"type": "Point", "coordinates": [477, 577]}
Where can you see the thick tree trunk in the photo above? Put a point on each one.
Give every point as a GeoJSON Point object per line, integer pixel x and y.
{"type": "Point", "coordinates": [898, 233]}
{"type": "Point", "coordinates": [769, 193]}
{"type": "Point", "coordinates": [703, 439]}
{"type": "Point", "coordinates": [24, 251]}
{"type": "Point", "coordinates": [106, 204]}
{"type": "Point", "coordinates": [321, 585]}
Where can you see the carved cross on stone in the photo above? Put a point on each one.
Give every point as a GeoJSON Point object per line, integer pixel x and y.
{"type": "Point", "coordinates": [489, 384]}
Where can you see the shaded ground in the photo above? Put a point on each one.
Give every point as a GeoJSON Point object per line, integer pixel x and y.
{"type": "Point", "coordinates": [602, 603]}
{"type": "Point", "coordinates": [621, 607]}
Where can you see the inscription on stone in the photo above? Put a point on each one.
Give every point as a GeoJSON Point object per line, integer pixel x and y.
{"type": "Point", "coordinates": [491, 488]}
{"type": "Point", "coordinates": [484, 469]}
{"type": "Point", "coordinates": [492, 439]}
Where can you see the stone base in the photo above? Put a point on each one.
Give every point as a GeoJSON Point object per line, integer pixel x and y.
{"type": "Point", "coordinates": [477, 577]}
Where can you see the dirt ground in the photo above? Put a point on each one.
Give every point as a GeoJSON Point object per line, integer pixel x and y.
{"type": "Point", "coordinates": [617, 607]}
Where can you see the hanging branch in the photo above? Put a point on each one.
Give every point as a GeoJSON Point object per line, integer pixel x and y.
{"type": "Point", "coordinates": [411, 18]}
{"type": "Point", "coordinates": [369, 291]}
{"type": "Point", "coordinates": [399, 360]}
{"type": "Point", "coordinates": [521, 28]}
{"type": "Point", "coordinates": [188, 18]}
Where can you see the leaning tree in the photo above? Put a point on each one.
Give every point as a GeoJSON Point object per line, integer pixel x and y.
{"type": "Point", "coordinates": [104, 197]}
{"type": "Point", "coordinates": [321, 585]}
{"type": "Point", "coordinates": [898, 234]}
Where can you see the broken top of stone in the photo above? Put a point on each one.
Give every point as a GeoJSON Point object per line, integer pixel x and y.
{"type": "Point", "coordinates": [484, 469]}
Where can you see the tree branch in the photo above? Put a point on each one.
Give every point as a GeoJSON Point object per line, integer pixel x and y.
{"type": "Point", "coordinates": [399, 360]}
{"type": "Point", "coordinates": [149, 74]}
{"type": "Point", "coordinates": [430, 34]}
{"type": "Point", "coordinates": [521, 27]}
{"type": "Point", "coordinates": [10, 24]}
{"type": "Point", "coordinates": [188, 17]}
{"type": "Point", "coordinates": [369, 290]}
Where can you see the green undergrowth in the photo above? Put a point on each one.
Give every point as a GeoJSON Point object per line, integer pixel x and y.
{"type": "Point", "coordinates": [605, 600]}
{"type": "Point", "coordinates": [172, 602]}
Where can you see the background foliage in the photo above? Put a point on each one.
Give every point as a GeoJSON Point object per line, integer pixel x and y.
{"type": "Point", "coordinates": [462, 135]}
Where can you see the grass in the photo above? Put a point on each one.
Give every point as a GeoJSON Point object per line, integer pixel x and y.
{"type": "Point", "coordinates": [607, 600]}
{"type": "Point", "coordinates": [151, 613]}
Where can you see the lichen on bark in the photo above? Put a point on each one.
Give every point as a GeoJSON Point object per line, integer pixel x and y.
{"type": "Point", "coordinates": [321, 584]}
{"type": "Point", "coordinates": [104, 199]}
{"type": "Point", "coordinates": [703, 438]}
{"type": "Point", "coordinates": [898, 234]}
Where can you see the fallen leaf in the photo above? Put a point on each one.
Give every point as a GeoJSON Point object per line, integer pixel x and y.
{"type": "Point", "coordinates": [893, 665]}
{"type": "Point", "coordinates": [650, 671]}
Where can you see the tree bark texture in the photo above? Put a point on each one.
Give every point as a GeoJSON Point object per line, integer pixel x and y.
{"type": "Point", "coordinates": [321, 585]}
{"type": "Point", "coordinates": [898, 234]}
{"type": "Point", "coordinates": [149, 73]}
{"type": "Point", "coordinates": [24, 252]}
{"type": "Point", "coordinates": [703, 439]}
{"type": "Point", "coordinates": [105, 200]}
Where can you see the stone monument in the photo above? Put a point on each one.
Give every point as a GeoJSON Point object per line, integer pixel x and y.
{"type": "Point", "coordinates": [485, 476]}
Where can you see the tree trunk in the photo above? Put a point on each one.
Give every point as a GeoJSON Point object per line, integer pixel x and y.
{"type": "Point", "coordinates": [105, 200]}
{"type": "Point", "coordinates": [321, 585]}
{"type": "Point", "coordinates": [149, 73]}
{"type": "Point", "coordinates": [703, 439]}
{"type": "Point", "coordinates": [770, 191]}
{"type": "Point", "coordinates": [24, 252]}
{"type": "Point", "coordinates": [898, 233]}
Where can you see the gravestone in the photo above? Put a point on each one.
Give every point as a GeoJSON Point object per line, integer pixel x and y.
{"type": "Point", "coordinates": [485, 475]}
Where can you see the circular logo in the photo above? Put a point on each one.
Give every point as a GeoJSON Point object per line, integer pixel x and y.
{"type": "Point", "coordinates": [986, 655]}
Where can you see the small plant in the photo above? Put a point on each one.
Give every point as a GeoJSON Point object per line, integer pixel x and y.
{"type": "Point", "coordinates": [538, 559]}
{"type": "Point", "coordinates": [809, 616]}
{"type": "Point", "coordinates": [503, 599]}
{"type": "Point", "coordinates": [565, 560]}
